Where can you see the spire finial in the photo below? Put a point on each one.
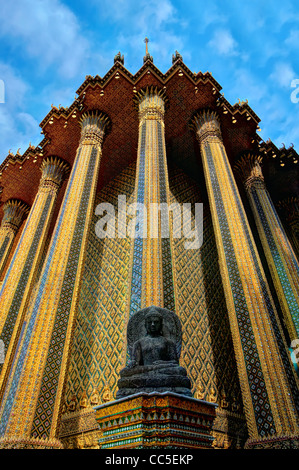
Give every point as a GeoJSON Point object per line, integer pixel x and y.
{"type": "Point", "coordinates": [147, 55]}
{"type": "Point", "coordinates": [146, 40]}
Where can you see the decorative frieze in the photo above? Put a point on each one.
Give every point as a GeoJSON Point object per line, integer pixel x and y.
{"type": "Point", "coordinates": [163, 420]}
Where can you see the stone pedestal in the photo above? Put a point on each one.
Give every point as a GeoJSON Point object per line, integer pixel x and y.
{"type": "Point", "coordinates": [156, 420]}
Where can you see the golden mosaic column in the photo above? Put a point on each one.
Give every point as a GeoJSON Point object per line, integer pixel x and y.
{"type": "Point", "coordinates": [14, 213]}
{"type": "Point", "coordinates": [29, 414]}
{"type": "Point", "coordinates": [21, 274]}
{"type": "Point", "coordinates": [152, 266]}
{"type": "Point", "coordinates": [279, 253]}
{"type": "Point", "coordinates": [267, 379]}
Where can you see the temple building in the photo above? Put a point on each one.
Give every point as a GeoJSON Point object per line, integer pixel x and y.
{"type": "Point", "coordinates": [73, 274]}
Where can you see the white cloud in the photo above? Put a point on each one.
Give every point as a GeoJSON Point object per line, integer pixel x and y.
{"type": "Point", "coordinates": [283, 74]}
{"type": "Point", "coordinates": [248, 86]}
{"type": "Point", "coordinates": [18, 128]}
{"type": "Point", "coordinates": [162, 11]}
{"type": "Point", "coordinates": [281, 121]}
{"type": "Point", "coordinates": [15, 88]}
{"type": "Point", "coordinates": [17, 131]}
{"type": "Point", "coordinates": [143, 15]}
{"type": "Point", "coordinates": [46, 30]}
{"type": "Point", "coordinates": [209, 15]}
{"type": "Point", "coordinates": [287, 12]}
{"type": "Point", "coordinates": [159, 20]}
{"type": "Point", "coordinates": [28, 124]}
{"type": "Point", "coordinates": [51, 94]}
{"type": "Point", "coordinates": [223, 42]}
{"type": "Point", "coordinates": [292, 40]}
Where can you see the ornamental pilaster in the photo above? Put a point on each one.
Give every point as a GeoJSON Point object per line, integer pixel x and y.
{"type": "Point", "coordinates": [269, 388]}
{"type": "Point", "coordinates": [280, 256]}
{"type": "Point", "coordinates": [32, 400]}
{"type": "Point", "coordinates": [152, 269]}
{"type": "Point", "coordinates": [21, 273]}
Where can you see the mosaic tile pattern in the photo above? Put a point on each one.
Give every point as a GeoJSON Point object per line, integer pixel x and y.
{"type": "Point", "coordinates": [281, 265]}
{"type": "Point", "coordinates": [3, 248]}
{"type": "Point", "coordinates": [167, 264]}
{"type": "Point", "coordinates": [99, 337]}
{"type": "Point", "coordinates": [207, 351]}
{"type": "Point", "coordinates": [45, 404]}
{"type": "Point", "coordinates": [29, 324]}
{"type": "Point", "coordinates": [255, 194]}
{"type": "Point", "coordinates": [22, 283]}
{"type": "Point", "coordinates": [261, 404]}
{"type": "Point", "coordinates": [21, 273]}
{"type": "Point", "coordinates": [136, 282]}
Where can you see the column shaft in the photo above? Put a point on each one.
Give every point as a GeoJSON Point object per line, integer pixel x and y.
{"type": "Point", "coordinates": [21, 274]}
{"type": "Point", "coordinates": [265, 382]}
{"type": "Point", "coordinates": [152, 262]}
{"type": "Point", "coordinates": [279, 253]}
{"type": "Point", "coordinates": [31, 404]}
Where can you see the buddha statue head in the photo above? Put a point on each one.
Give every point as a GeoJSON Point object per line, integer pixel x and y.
{"type": "Point", "coordinates": [153, 322]}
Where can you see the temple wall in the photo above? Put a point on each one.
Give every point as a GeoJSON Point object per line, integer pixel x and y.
{"type": "Point", "coordinates": [98, 351]}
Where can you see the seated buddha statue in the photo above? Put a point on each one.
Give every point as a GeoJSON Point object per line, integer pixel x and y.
{"type": "Point", "coordinates": [154, 364]}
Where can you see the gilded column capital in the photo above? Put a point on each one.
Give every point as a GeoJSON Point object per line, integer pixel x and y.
{"type": "Point", "coordinates": [94, 124]}
{"type": "Point", "coordinates": [54, 170]}
{"type": "Point", "coordinates": [15, 212]}
{"type": "Point", "coordinates": [250, 172]}
{"type": "Point", "coordinates": [206, 124]}
{"type": "Point", "coordinates": [151, 103]}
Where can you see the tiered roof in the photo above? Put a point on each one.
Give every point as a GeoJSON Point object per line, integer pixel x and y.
{"type": "Point", "coordinates": [187, 92]}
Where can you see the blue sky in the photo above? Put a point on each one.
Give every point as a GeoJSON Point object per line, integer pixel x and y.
{"type": "Point", "coordinates": [47, 47]}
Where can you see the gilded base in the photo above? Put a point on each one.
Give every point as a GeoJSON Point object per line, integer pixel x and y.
{"type": "Point", "coordinates": [28, 443]}
{"type": "Point", "coordinates": [156, 420]}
